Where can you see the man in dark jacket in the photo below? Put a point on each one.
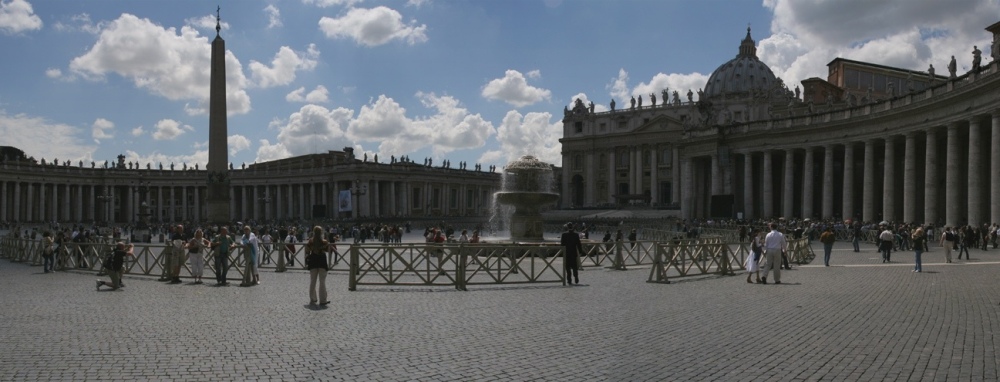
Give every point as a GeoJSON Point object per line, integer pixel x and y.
{"type": "Point", "coordinates": [116, 266]}
{"type": "Point", "coordinates": [571, 241]}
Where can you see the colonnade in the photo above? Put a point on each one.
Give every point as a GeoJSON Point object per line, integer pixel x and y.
{"type": "Point", "coordinates": [641, 164]}
{"type": "Point", "coordinates": [67, 200]}
{"type": "Point", "coordinates": [896, 177]}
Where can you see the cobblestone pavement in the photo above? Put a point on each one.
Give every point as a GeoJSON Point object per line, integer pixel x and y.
{"type": "Point", "coordinates": [857, 320]}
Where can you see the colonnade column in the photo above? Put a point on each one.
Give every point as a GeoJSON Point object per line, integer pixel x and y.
{"type": "Point", "coordinates": [828, 182]}
{"type": "Point", "coordinates": [654, 188]}
{"type": "Point", "coordinates": [675, 175]}
{"type": "Point", "coordinates": [788, 197]}
{"type": "Point", "coordinates": [611, 177]}
{"type": "Point", "coordinates": [995, 168]}
{"type": "Point", "coordinates": [687, 191]}
{"type": "Point", "coordinates": [930, 178]}
{"type": "Point", "coordinates": [910, 178]}
{"type": "Point", "coordinates": [590, 196]}
{"type": "Point", "coordinates": [716, 176]}
{"type": "Point", "coordinates": [3, 200]}
{"type": "Point", "coordinates": [566, 160]}
{"type": "Point", "coordinates": [889, 181]}
{"type": "Point", "coordinates": [807, 184]}
{"type": "Point", "coordinates": [848, 203]}
{"type": "Point", "coordinates": [952, 178]}
{"type": "Point", "coordinates": [975, 179]}
{"type": "Point", "coordinates": [748, 185]}
{"type": "Point", "coordinates": [767, 191]}
{"type": "Point", "coordinates": [868, 202]}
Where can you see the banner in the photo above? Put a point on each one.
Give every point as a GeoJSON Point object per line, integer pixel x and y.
{"type": "Point", "coordinates": [345, 201]}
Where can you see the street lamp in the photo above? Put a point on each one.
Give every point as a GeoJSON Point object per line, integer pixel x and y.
{"type": "Point", "coordinates": [141, 187]}
{"type": "Point", "coordinates": [357, 190]}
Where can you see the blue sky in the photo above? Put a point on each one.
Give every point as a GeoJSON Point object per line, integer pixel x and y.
{"type": "Point", "coordinates": [477, 81]}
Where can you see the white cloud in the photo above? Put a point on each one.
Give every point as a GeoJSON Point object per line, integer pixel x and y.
{"type": "Point", "coordinates": [101, 129]}
{"type": "Point", "coordinates": [206, 22]}
{"type": "Point", "coordinates": [682, 83]}
{"type": "Point", "coordinates": [331, 3]}
{"type": "Point", "coordinates": [80, 22]}
{"type": "Point", "coordinates": [530, 134]}
{"type": "Point", "coordinates": [53, 73]}
{"type": "Point", "coordinates": [283, 66]}
{"type": "Point", "coordinates": [199, 158]}
{"type": "Point", "coordinates": [514, 89]}
{"type": "Point", "coordinates": [313, 129]}
{"type": "Point", "coordinates": [273, 16]}
{"type": "Point", "coordinates": [598, 107]}
{"type": "Point", "coordinates": [373, 27]}
{"type": "Point", "coordinates": [137, 131]}
{"type": "Point", "coordinates": [268, 152]}
{"type": "Point", "coordinates": [618, 88]}
{"type": "Point", "coordinates": [318, 95]}
{"type": "Point", "coordinates": [911, 34]}
{"type": "Point", "coordinates": [237, 143]}
{"type": "Point", "coordinates": [416, 3]}
{"type": "Point", "coordinates": [40, 138]}
{"type": "Point", "coordinates": [17, 16]}
{"type": "Point", "coordinates": [168, 129]}
{"type": "Point", "coordinates": [175, 65]}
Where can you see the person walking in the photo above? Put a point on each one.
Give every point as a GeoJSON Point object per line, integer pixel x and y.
{"type": "Point", "coordinates": [774, 245]}
{"type": "Point", "coordinates": [318, 266]}
{"type": "Point", "coordinates": [948, 242]}
{"type": "Point", "coordinates": [856, 237]}
{"type": "Point", "coordinates": [48, 252]}
{"type": "Point", "coordinates": [752, 263]}
{"type": "Point", "coordinates": [571, 241]}
{"type": "Point", "coordinates": [117, 265]}
{"type": "Point", "coordinates": [885, 243]}
{"type": "Point", "coordinates": [919, 245]}
{"type": "Point", "coordinates": [965, 240]}
{"type": "Point", "coordinates": [827, 238]}
{"type": "Point", "coordinates": [195, 254]}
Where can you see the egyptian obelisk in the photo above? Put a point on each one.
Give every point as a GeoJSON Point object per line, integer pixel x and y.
{"type": "Point", "coordinates": [217, 198]}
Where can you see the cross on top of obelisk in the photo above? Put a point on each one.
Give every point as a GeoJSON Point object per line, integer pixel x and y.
{"type": "Point", "coordinates": [218, 27]}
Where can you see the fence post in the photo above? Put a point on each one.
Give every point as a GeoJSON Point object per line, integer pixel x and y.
{"type": "Point", "coordinates": [658, 274]}
{"type": "Point", "coordinates": [461, 262]}
{"type": "Point", "coordinates": [352, 283]}
{"type": "Point", "coordinates": [281, 256]}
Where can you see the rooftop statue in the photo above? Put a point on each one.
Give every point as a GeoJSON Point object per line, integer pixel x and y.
{"type": "Point", "coordinates": [930, 73]}
{"type": "Point", "coordinates": [977, 59]}
{"type": "Point", "coordinates": [612, 104]}
{"type": "Point", "coordinates": [952, 68]}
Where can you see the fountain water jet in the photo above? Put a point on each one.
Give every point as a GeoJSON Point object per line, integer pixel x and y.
{"type": "Point", "coordinates": [527, 187]}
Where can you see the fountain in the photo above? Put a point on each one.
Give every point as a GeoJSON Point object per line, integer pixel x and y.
{"type": "Point", "coordinates": [527, 186]}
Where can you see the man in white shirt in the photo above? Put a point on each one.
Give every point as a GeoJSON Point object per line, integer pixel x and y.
{"type": "Point", "coordinates": [886, 239]}
{"type": "Point", "coordinates": [774, 245]}
{"type": "Point", "coordinates": [948, 241]}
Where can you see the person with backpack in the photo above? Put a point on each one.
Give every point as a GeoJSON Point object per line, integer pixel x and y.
{"type": "Point", "coordinates": [115, 264]}
{"type": "Point", "coordinates": [947, 241]}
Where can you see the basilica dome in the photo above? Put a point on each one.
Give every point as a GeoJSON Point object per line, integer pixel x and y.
{"type": "Point", "coordinates": [741, 75]}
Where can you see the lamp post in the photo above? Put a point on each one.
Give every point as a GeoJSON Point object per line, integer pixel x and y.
{"type": "Point", "coordinates": [105, 199]}
{"type": "Point", "coordinates": [141, 187]}
{"type": "Point", "coordinates": [358, 190]}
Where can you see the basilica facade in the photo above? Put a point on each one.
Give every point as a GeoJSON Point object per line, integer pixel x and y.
{"type": "Point", "coordinates": [869, 142]}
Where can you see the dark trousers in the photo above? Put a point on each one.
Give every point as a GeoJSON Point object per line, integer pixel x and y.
{"type": "Point", "coordinates": [49, 261]}
{"type": "Point", "coordinates": [571, 268]}
{"type": "Point", "coordinates": [221, 268]}
{"type": "Point", "coordinates": [886, 248]}
{"type": "Point", "coordinates": [963, 249]}
{"type": "Point", "coordinates": [784, 261]}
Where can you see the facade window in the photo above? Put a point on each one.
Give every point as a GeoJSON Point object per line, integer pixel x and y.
{"type": "Point", "coordinates": [578, 126]}
{"type": "Point", "coordinates": [622, 159]}
{"type": "Point", "coordinates": [645, 121]}
{"type": "Point", "coordinates": [416, 202]}
{"type": "Point", "coordinates": [578, 162]}
{"type": "Point", "coordinates": [666, 157]}
{"type": "Point", "coordinates": [603, 163]}
{"type": "Point", "coordinates": [436, 200]}
{"type": "Point", "coordinates": [469, 195]}
{"type": "Point", "coordinates": [603, 127]}
{"type": "Point", "coordinates": [645, 157]}
{"type": "Point", "coordinates": [453, 198]}
{"type": "Point", "coordinates": [482, 197]}
{"type": "Point", "coordinates": [622, 124]}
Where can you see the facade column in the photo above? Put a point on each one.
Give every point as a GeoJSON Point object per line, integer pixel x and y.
{"type": "Point", "coordinates": [716, 176]}
{"type": "Point", "coordinates": [868, 193]}
{"type": "Point", "coordinates": [567, 165]}
{"type": "Point", "coordinates": [687, 192]}
{"type": "Point", "coordinates": [767, 188]}
{"type": "Point", "coordinates": [41, 201]}
{"type": "Point", "coordinates": [654, 169]}
{"type": "Point", "coordinates": [748, 185]}
{"type": "Point", "coordinates": [66, 202]}
{"type": "Point", "coordinates": [612, 187]}
{"type": "Point", "coordinates": [184, 194]}
{"type": "Point", "coordinates": [3, 200]}
{"type": "Point", "coordinates": [675, 175]}
{"type": "Point", "coordinates": [828, 182]}
{"type": "Point", "coordinates": [807, 183]}
{"type": "Point", "coordinates": [302, 201]}
{"type": "Point", "coordinates": [197, 204]}
{"type": "Point", "coordinates": [16, 207]}
{"type": "Point", "coordinates": [910, 178]}
{"type": "Point", "coordinates": [952, 178]}
{"type": "Point", "coordinates": [590, 196]}
{"type": "Point", "coordinates": [788, 197]}
{"type": "Point", "coordinates": [975, 204]}
{"type": "Point", "coordinates": [931, 179]}
{"type": "Point", "coordinates": [393, 197]}
{"type": "Point", "coordinates": [889, 181]}
{"type": "Point", "coordinates": [995, 169]}
{"type": "Point", "coordinates": [848, 202]}
{"type": "Point", "coordinates": [29, 202]}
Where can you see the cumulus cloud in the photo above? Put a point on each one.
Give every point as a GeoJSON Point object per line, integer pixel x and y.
{"type": "Point", "coordinates": [373, 27]}
{"type": "Point", "coordinates": [137, 131]}
{"type": "Point", "coordinates": [273, 16]}
{"type": "Point", "coordinates": [166, 62]}
{"type": "Point", "coordinates": [53, 73]}
{"type": "Point", "coordinates": [312, 129]}
{"type": "Point", "coordinates": [618, 88]}
{"type": "Point", "coordinates": [155, 159]}
{"type": "Point", "coordinates": [598, 107]}
{"type": "Point", "coordinates": [101, 129]}
{"type": "Point", "coordinates": [268, 152]}
{"type": "Point", "coordinates": [80, 22]}
{"type": "Point", "coordinates": [318, 95]}
{"type": "Point", "coordinates": [168, 129]}
{"type": "Point", "coordinates": [17, 16]}
{"type": "Point", "coordinates": [41, 138]}
{"type": "Point", "coordinates": [237, 143]}
{"type": "Point", "coordinates": [514, 89]}
{"type": "Point", "coordinates": [682, 83]}
{"type": "Point", "coordinates": [911, 34]}
{"type": "Point", "coordinates": [206, 22]}
{"type": "Point", "coordinates": [529, 134]}
{"type": "Point", "coordinates": [283, 67]}
{"type": "Point", "coordinates": [331, 3]}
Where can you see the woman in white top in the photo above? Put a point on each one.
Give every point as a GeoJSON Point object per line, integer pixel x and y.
{"type": "Point", "coordinates": [196, 254]}
{"type": "Point", "coordinates": [756, 254]}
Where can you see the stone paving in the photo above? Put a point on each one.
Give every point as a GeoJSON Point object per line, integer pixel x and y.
{"type": "Point", "coordinates": [856, 320]}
